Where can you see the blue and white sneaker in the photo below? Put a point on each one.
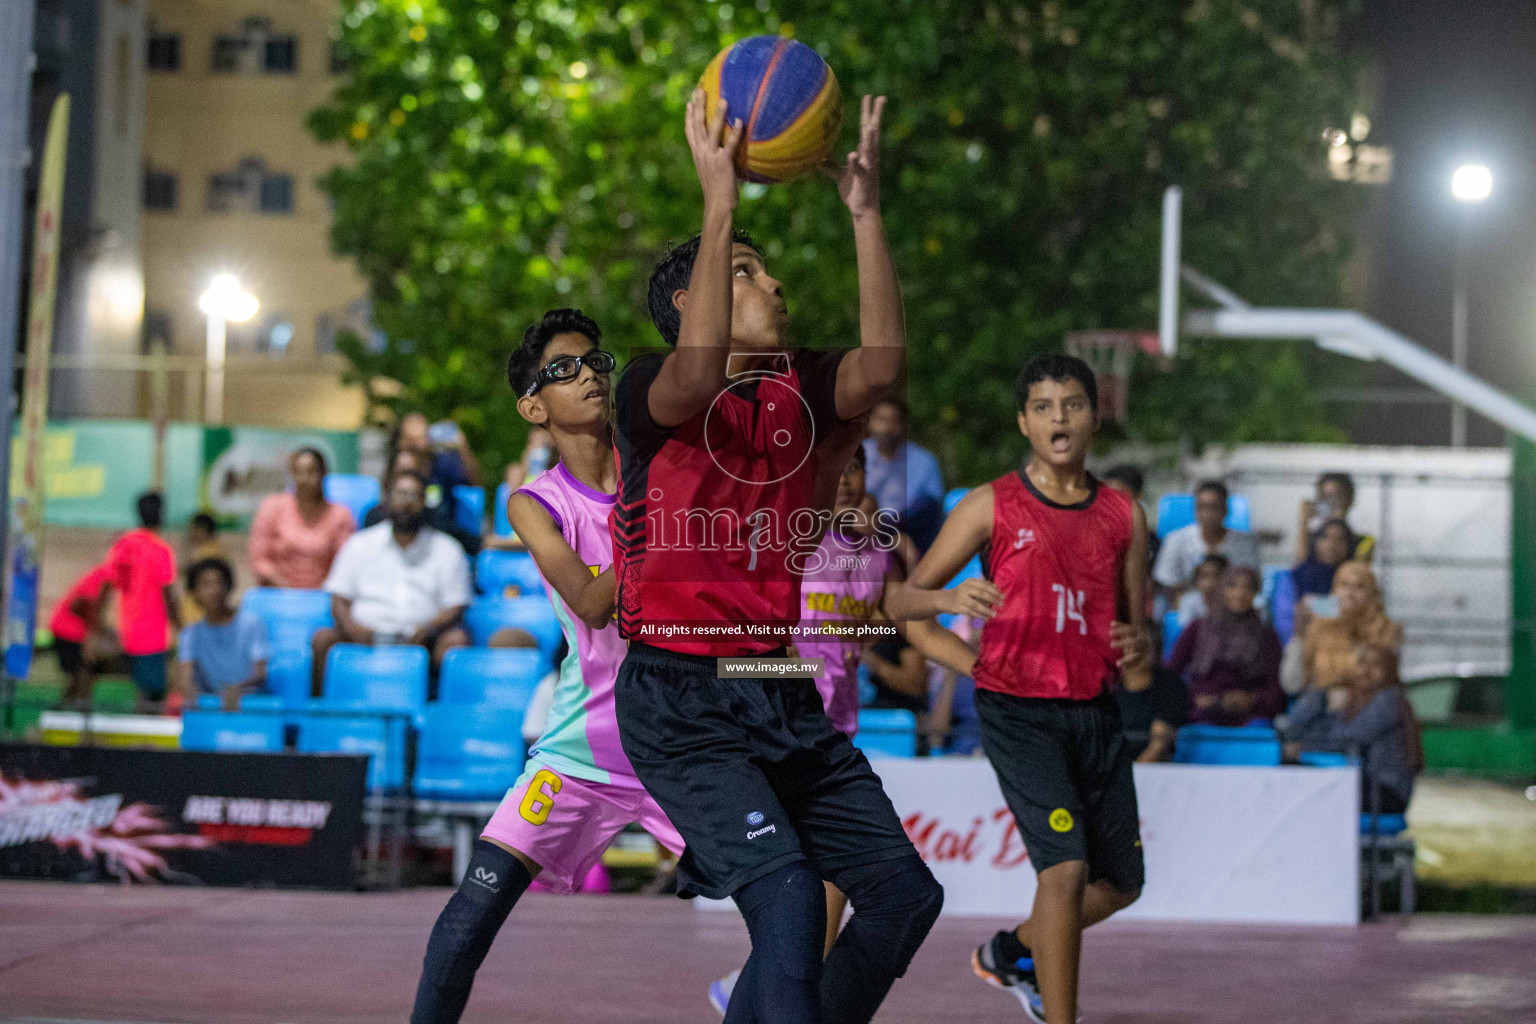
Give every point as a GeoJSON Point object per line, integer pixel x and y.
{"type": "Point", "coordinates": [1017, 977]}
{"type": "Point", "coordinates": [720, 991]}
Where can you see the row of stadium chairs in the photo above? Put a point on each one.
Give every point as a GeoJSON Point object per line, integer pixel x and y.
{"type": "Point", "coordinates": [358, 493]}
{"type": "Point", "coordinates": [293, 616]}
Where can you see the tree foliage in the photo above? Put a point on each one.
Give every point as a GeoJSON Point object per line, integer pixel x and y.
{"type": "Point", "coordinates": [514, 156]}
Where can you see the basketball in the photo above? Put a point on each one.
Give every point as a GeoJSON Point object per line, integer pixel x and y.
{"type": "Point", "coordinates": [787, 100]}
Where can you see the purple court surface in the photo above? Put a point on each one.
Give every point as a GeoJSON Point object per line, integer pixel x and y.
{"type": "Point", "coordinates": [94, 953]}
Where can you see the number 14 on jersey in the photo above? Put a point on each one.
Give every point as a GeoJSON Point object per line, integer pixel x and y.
{"type": "Point", "coordinates": [1069, 608]}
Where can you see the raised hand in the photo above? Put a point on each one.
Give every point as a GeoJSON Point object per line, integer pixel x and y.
{"type": "Point", "coordinates": [714, 150]}
{"type": "Point", "coordinates": [858, 181]}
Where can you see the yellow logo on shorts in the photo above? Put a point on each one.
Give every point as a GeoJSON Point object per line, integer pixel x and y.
{"type": "Point", "coordinates": [1061, 820]}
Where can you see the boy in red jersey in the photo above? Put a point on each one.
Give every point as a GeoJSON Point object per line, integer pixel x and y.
{"type": "Point", "coordinates": [1064, 603]}
{"type": "Point", "coordinates": [721, 442]}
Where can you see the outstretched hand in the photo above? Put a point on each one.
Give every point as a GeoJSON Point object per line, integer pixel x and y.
{"type": "Point", "coordinates": [858, 181]}
{"type": "Point", "coordinates": [714, 150]}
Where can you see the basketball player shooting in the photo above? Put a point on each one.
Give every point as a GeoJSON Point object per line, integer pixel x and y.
{"type": "Point", "coordinates": [727, 431]}
{"type": "Point", "coordinates": [1064, 610]}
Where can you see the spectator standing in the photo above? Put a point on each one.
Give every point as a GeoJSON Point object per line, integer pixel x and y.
{"type": "Point", "coordinates": [142, 569]}
{"type": "Point", "coordinates": [225, 652]}
{"type": "Point", "coordinates": [1206, 593]}
{"type": "Point", "coordinates": [1231, 658]}
{"type": "Point", "coordinates": [902, 476]}
{"type": "Point", "coordinates": [296, 535]}
{"type": "Point", "coordinates": [445, 452]}
{"type": "Point", "coordinates": [1369, 715]}
{"type": "Point", "coordinates": [1359, 617]}
{"type": "Point", "coordinates": [440, 518]}
{"type": "Point", "coordinates": [1312, 578]}
{"type": "Point", "coordinates": [1334, 498]}
{"type": "Point", "coordinates": [1185, 548]}
{"type": "Point", "coordinates": [401, 582]}
{"type": "Point", "coordinates": [81, 639]}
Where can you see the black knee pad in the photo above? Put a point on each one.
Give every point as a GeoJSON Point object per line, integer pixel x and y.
{"type": "Point", "coordinates": [786, 914]}
{"type": "Point", "coordinates": [464, 931]}
{"type": "Point", "coordinates": [895, 903]}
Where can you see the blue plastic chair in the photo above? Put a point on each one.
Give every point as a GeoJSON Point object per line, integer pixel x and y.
{"type": "Point", "coordinates": [1227, 745]}
{"type": "Point", "coordinates": [389, 678]}
{"type": "Point", "coordinates": [469, 508]}
{"type": "Point", "coordinates": [353, 491]}
{"type": "Point", "coordinates": [500, 524]}
{"type": "Point", "coordinates": [1171, 631]}
{"type": "Point", "coordinates": [507, 574]}
{"type": "Point", "coordinates": [952, 498]}
{"type": "Point", "coordinates": [469, 753]}
{"type": "Point", "coordinates": [1175, 511]}
{"type": "Point", "coordinates": [383, 740]}
{"type": "Point", "coordinates": [887, 732]}
{"type": "Point", "coordinates": [488, 614]}
{"type": "Point", "coordinates": [292, 618]}
{"type": "Point", "coordinates": [230, 731]}
{"type": "Point", "coordinates": [503, 676]}
{"type": "Point", "coordinates": [1322, 759]}
{"type": "Point", "coordinates": [1386, 824]}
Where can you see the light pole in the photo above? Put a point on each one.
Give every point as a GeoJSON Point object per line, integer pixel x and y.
{"type": "Point", "coordinates": [224, 300]}
{"type": "Point", "coordinates": [1471, 183]}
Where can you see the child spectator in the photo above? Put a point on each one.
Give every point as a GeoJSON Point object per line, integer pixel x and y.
{"type": "Point", "coordinates": [1231, 658]}
{"type": "Point", "coordinates": [142, 569]}
{"type": "Point", "coordinates": [1206, 595]}
{"type": "Point", "coordinates": [202, 542]}
{"type": "Point", "coordinates": [1369, 715]}
{"type": "Point", "coordinates": [80, 638]}
{"type": "Point", "coordinates": [226, 652]}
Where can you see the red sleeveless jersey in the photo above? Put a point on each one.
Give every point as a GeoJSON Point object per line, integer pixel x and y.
{"type": "Point", "coordinates": [1060, 569]}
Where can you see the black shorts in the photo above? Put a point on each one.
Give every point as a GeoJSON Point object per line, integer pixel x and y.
{"type": "Point", "coordinates": [1065, 770]}
{"type": "Point", "coordinates": [751, 772]}
{"type": "Point", "coordinates": [71, 655]}
{"type": "Point", "coordinates": [148, 674]}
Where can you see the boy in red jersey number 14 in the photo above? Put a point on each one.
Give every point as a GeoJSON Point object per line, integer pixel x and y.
{"type": "Point", "coordinates": [1063, 603]}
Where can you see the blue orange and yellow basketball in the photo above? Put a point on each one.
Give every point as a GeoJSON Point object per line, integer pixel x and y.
{"type": "Point", "coordinates": [787, 100]}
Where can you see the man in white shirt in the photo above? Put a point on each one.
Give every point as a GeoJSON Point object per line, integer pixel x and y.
{"type": "Point", "coordinates": [400, 582]}
{"type": "Point", "coordinates": [1185, 548]}
{"type": "Point", "coordinates": [902, 476]}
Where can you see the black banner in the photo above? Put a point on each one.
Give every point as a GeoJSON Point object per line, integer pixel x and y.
{"type": "Point", "coordinates": [175, 816]}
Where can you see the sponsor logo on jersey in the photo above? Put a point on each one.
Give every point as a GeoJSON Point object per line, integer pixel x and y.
{"type": "Point", "coordinates": [755, 818]}
{"type": "Point", "coordinates": [1061, 820]}
{"type": "Point", "coordinates": [487, 878]}
{"type": "Point", "coordinates": [763, 831]}
{"type": "Point", "coordinates": [1026, 536]}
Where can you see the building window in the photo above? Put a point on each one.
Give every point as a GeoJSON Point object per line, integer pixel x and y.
{"type": "Point", "coordinates": [158, 327]}
{"type": "Point", "coordinates": [227, 51]}
{"type": "Point", "coordinates": [275, 335]}
{"type": "Point", "coordinates": [277, 193]}
{"type": "Point", "coordinates": [164, 51]}
{"type": "Point", "coordinates": [159, 190]}
{"type": "Point", "coordinates": [339, 62]}
{"type": "Point", "coordinates": [281, 55]}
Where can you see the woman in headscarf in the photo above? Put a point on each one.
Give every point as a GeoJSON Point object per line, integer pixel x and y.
{"type": "Point", "coordinates": [1367, 715]}
{"type": "Point", "coordinates": [1230, 659]}
{"type": "Point", "coordinates": [1312, 577]}
{"type": "Point", "coordinates": [1328, 649]}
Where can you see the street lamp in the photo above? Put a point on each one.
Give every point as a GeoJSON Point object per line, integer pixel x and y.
{"type": "Point", "coordinates": [1471, 183]}
{"type": "Point", "coordinates": [223, 301]}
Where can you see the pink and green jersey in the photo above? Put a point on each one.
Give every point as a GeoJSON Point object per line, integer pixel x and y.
{"type": "Point", "coordinates": [581, 738]}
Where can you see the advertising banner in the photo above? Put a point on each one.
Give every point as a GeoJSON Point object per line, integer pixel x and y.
{"type": "Point", "coordinates": [162, 816]}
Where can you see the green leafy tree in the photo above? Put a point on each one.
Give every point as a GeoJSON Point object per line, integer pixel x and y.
{"type": "Point", "coordinates": [506, 158]}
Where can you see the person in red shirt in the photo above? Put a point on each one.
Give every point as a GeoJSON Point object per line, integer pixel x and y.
{"type": "Point", "coordinates": [720, 444]}
{"type": "Point", "coordinates": [1065, 611]}
{"type": "Point", "coordinates": [142, 569]}
{"type": "Point", "coordinates": [80, 637]}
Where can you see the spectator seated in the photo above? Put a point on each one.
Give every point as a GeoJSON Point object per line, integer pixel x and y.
{"type": "Point", "coordinates": [230, 731]}
{"type": "Point", "coordinates": [354, 492]}
{"type": "Point", "coordinates": [469, 508]}
{"type": "Point", "coordinates": [502, 676]}
{"type": "Point", "coordinates": [382, 739]}
{"type": "Point", "coordinates": [1227, 745]}
{"type": "Point", "coordinates": [1175, 511]}
{"type": "Point", "coordinates": [887, 732]}
{"type": "Point", "coordinates": [387, 679]}
{"type": "Point", "coordinates": [486, 615]}
{"type": "Point", "coordinates": [507, 574]}
{"type": "Point", "coordinates": [468, 752]}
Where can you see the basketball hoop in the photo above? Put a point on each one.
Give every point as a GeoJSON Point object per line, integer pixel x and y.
{"type": "Point", "coordinates": [1111, 355]}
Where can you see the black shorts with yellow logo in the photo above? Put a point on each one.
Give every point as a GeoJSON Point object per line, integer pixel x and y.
{"type": "Point", "coordinates": [1065, 769]}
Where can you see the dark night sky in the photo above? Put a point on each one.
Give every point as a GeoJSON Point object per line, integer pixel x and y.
{"type": "Point", "coordinates": [1458, 84]}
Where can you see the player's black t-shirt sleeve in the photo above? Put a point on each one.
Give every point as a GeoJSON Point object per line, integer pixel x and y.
{"type": "Point", "coordinates": [636, 432]}
{"type": "Point", "coordinates": [817, 370]}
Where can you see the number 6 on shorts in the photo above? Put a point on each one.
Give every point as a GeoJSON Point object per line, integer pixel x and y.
{"type": "Point", "coordinates": [540, 798]}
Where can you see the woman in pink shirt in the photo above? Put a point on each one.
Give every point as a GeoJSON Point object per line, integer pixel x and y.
{"type": "Point", "coordinates": [295, 535]}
